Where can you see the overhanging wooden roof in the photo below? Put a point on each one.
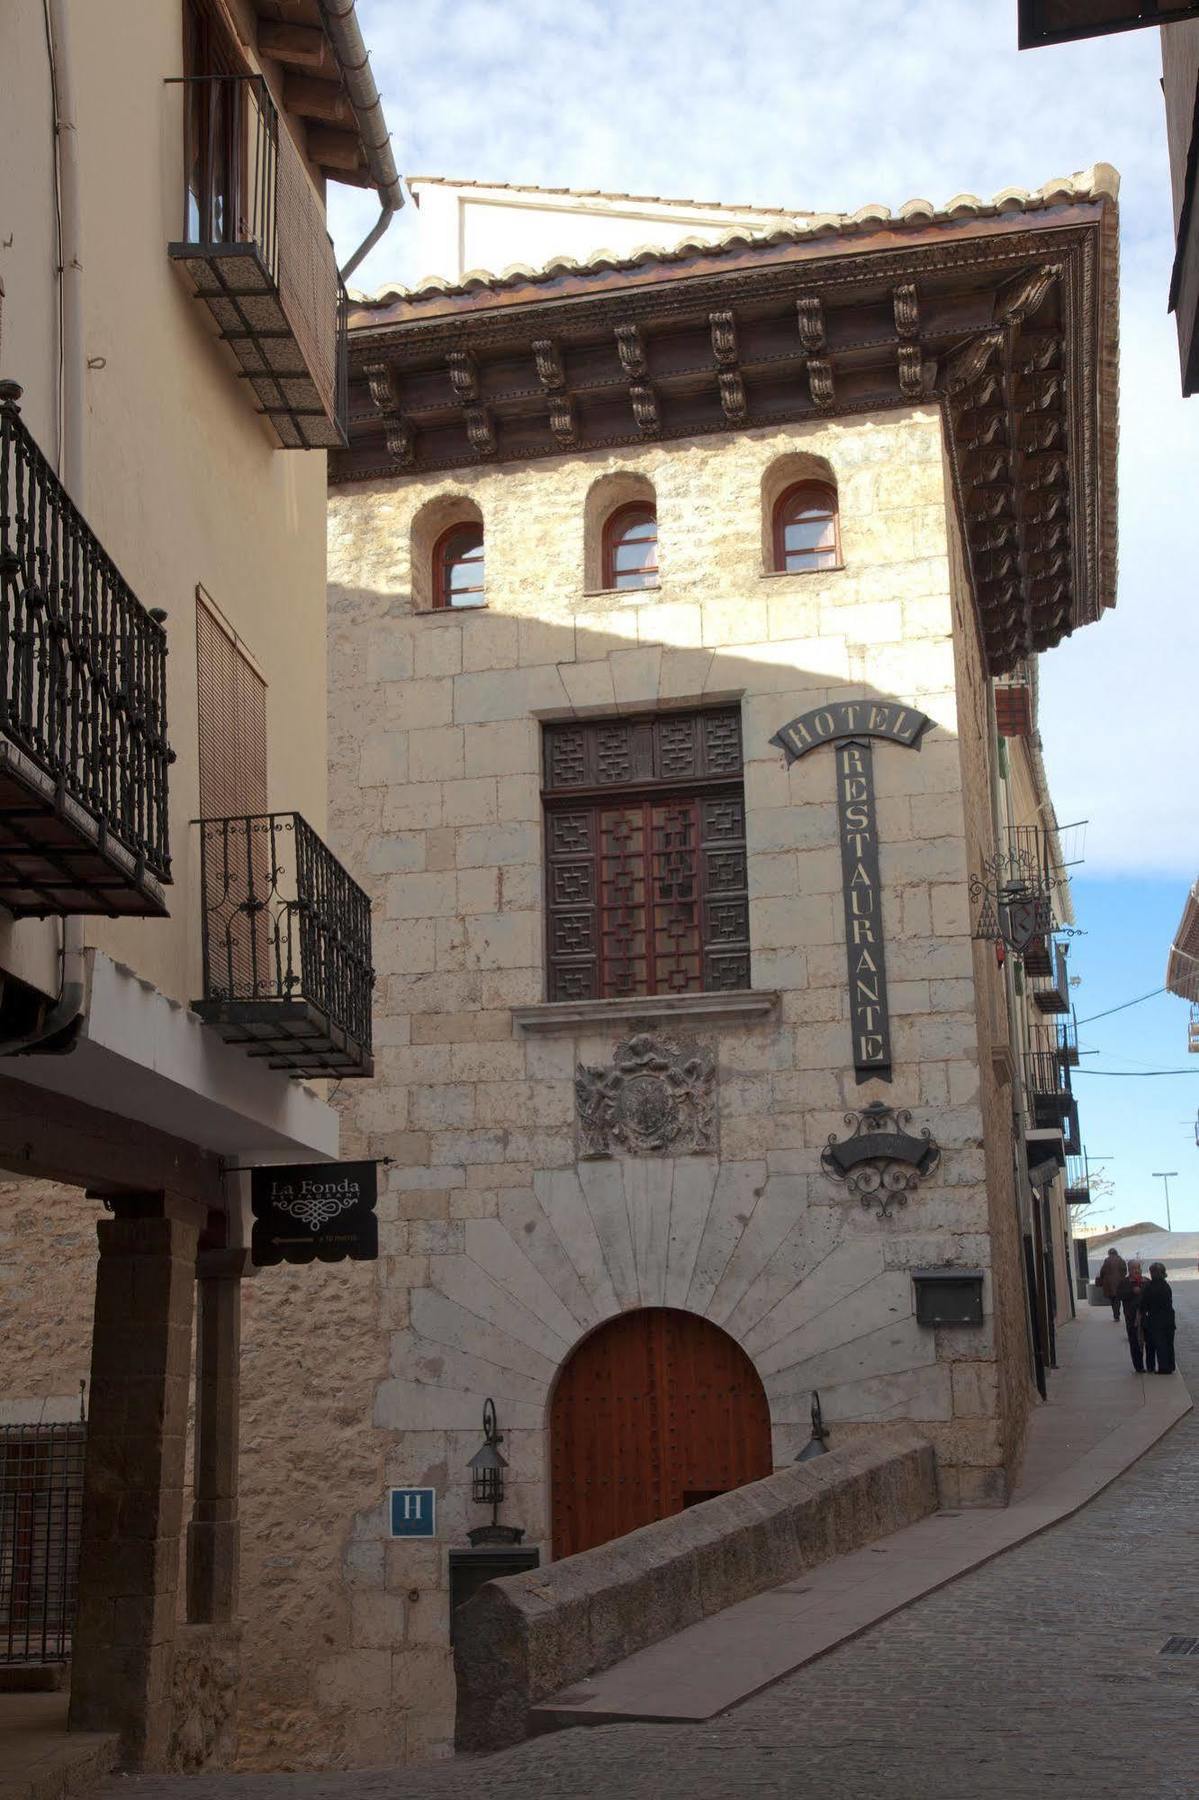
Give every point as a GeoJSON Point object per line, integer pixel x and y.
{"type": "Point", "coordinates": [1182, 970]}
{"type": "Point", "coordinates": [1004, 314]}
{"type": "Point", "coordinates": [346, 133]}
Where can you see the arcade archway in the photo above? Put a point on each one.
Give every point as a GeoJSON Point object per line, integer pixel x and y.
{"type": "Point", "coordinates": [654, 1411]}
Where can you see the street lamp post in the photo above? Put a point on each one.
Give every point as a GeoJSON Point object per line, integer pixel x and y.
{"type": "Point", "coordinates": [1166, 1176]}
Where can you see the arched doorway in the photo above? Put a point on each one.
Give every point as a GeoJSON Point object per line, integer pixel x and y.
{"type": "Point", "coordinates": [654, 1411]}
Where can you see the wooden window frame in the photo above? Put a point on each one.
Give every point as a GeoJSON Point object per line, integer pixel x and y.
{"type": "Point", "coordinates": [442, 596]}
{"type": "Point", "coordinates": [778, 525]}
{"type": "Point", "coordinates": [677, 781]}
{"type": "Point", "coordinates": [616, 522]}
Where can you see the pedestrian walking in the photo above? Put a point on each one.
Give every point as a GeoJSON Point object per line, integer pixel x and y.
{"type": "Point", "coordinates": [1157, 1319]}
{"type": "Point", "coordinates": [1129, 1293]}
{"type": "Point", "coordinates": [1111, 1273]}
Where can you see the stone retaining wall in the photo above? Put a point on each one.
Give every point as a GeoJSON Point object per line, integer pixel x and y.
{"type": "Point", "coordinates": [528, 1636]}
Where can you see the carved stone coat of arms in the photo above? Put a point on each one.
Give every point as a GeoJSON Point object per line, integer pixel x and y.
{"type": "Point", "coordinates": [656, 1099]}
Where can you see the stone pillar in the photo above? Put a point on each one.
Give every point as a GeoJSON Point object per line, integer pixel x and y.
{"type": "Point", "coordinates": [213, 1535]}
{"type": "Point", "coordinates": [123, 1649]}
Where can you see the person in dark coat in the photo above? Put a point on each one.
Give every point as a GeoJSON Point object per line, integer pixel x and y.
{"type": "Point", "coordinates": [1129, 1293]}
{"type": "Point", "coordinates": [1112, 1271]}
{"type": "Point", "coordinates": [1157, 1320]}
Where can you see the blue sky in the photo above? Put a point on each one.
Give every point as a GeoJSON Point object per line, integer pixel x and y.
{"type": "Point", "coordinates": [828, 108]}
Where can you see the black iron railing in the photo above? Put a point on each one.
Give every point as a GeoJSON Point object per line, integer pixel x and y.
{"type": "Point", "coordinates": [82, 662]}
{"type": "Point", "coordinates": [230, 164]}
{"type": "Point", "coordinates": [41, 1503]}
{"type": "Point", "coordinates": [1047, 1078]}
{"type": "Point", "coordinates": [286, 945]}
{"type": "Point", "coordinates": [1078, 1181]}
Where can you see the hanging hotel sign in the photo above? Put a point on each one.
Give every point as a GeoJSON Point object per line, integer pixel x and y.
{"type": "Point", "coordinates": [314, 1212]}
{"type": "Point", "coordinates": [849, 725]}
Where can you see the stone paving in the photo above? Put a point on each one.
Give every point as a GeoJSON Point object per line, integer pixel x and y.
{"type": "Point", "coordinates": [1037, 1674]}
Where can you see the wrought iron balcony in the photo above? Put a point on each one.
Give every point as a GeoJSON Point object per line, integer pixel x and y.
{"type": "Point", "coordinates": [1067, 1042]}
{"type": "Point", "coordinates": [1052, 994]}
{"type": "Point", "coordinates": [1078, 1181]}
{"type": "Point", "coordinates": [83, 747]}
{"type": "Point", "coordinates": [1047, 1080]}
{"type": "Point", "coordinates": [256, 250]}
{"type": "Point", "coordinates": [286, 945]}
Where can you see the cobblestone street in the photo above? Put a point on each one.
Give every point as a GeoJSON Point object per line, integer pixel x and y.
{"type": "Point", "coordinates": [1041, 1670]}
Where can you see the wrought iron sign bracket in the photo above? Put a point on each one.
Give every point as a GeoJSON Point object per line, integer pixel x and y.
{"type": "Point", "coordinates": [881, 1161]}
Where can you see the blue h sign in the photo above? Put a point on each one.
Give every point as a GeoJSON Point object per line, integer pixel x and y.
{"type": "Point", "coordinates": [413, 1512]}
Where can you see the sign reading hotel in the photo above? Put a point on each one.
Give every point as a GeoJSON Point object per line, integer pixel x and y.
{"type": "Point", "coordinates": [849, 725]}
{"type": "Point", "coordinates": [314, 1212]}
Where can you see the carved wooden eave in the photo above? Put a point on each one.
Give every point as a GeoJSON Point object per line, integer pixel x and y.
{"type": "Point", "coordinates": [1004, 317]}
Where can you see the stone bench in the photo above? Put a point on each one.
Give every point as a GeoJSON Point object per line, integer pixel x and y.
{"type": "Point", "coordinates": [527, 1636]}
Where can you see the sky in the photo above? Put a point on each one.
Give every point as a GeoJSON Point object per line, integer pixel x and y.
{"type": "Point", "coordinates": [827, 108]}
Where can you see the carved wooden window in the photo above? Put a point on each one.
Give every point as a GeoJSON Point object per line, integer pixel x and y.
{"type": "Point", "coordinates": [631, 546]}
{"type": "Point", "coordinates": [645, 856]}
{"type": "Point", "coordinates": [806, 530]}
{"type": "Point", "coordinates": [458, 567]}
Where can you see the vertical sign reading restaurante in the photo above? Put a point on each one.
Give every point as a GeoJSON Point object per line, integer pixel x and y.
{"type": "Point", "coordinates": [850, 725]}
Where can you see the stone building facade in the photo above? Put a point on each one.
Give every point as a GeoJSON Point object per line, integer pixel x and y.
{"type": "Point", "coordinates": [538, 1196]}
{"type": "Point", "coordinates": [609, 1212]}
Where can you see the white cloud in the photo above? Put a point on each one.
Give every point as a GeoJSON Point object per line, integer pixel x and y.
{"type": "Point", "coordinates": [829, 107]}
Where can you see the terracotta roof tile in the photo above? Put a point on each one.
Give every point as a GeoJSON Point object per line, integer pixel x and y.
{"type": "Point", "coordinates": [1100, 181]}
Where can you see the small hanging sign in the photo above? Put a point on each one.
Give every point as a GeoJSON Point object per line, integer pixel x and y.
{"type": "Point", "coordinates": [314, 1212]}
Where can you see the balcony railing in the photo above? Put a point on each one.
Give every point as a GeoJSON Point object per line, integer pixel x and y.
{"type": "Point", "coordinates": [1052, 993]}
{"type": "Point", "coordinates": [83, 747]}
{"type": "Point", "coordinates": [1047, 1080]}
{"type": "Point", "coordinates": [1078, 1181]}
{"type": "Point", "coordinates": [286, 946]}
{"type": "Point", "coordinates": [256, 250]}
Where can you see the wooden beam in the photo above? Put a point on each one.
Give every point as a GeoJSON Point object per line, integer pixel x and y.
{"type": "Point", "coordinates": [334, 149]}
{"type": "Point", "coordinates": [312, 99]}
{"type": "Point", "coordinates": [50, 1137]}
{"type": "Point", "coordinates": [299, 46]}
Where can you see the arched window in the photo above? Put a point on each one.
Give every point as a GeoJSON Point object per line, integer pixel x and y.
{"type": "Point", "coordinates": [458, 567]}
{"type": "Point", "coordinates": [631, 546]}
{"type": "Point", "coordinates": [805, 528]}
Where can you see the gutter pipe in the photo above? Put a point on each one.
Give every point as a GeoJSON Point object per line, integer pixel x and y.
{"type": "Point", "coordinates": [341, 28]}
{"type": "Point", "coordinates": [61, 1020]}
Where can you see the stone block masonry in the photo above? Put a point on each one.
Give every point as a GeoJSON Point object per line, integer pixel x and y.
{"type": "Point", "coordinates": [502, 1245]}
{"type": "Point", "coordinates": [528, 1637]}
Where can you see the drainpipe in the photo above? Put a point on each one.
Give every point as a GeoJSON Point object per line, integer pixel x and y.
{"type": "Point", "coordinates": [62, 1019]}
{"type": "Point", "coordinates": [341, 27]}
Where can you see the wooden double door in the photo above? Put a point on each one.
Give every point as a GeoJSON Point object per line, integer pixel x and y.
{"type": "Point", "coordinates": [656, 1410]}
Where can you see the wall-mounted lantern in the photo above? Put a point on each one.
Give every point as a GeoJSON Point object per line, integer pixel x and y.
{"type": "Point", "coordinates": [487, 1483]}
{"type": "Point", "coordinates": [817, 1444]}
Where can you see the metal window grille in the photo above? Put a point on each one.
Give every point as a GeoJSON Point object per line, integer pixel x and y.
{"type": "Point", "coordinates": [41, 1505]}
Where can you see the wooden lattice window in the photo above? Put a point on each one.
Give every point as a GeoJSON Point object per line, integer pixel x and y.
{"type": "Point", "coordinates": [645, 856]}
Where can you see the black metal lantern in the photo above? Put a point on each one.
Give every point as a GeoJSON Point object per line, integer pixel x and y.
{"type": "Point", "coordinates": [487, 1465]}
{"type": "Point", "coordinates": [487, 1483]}
{"type": "Point", "coordinates": [817, 1444]}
